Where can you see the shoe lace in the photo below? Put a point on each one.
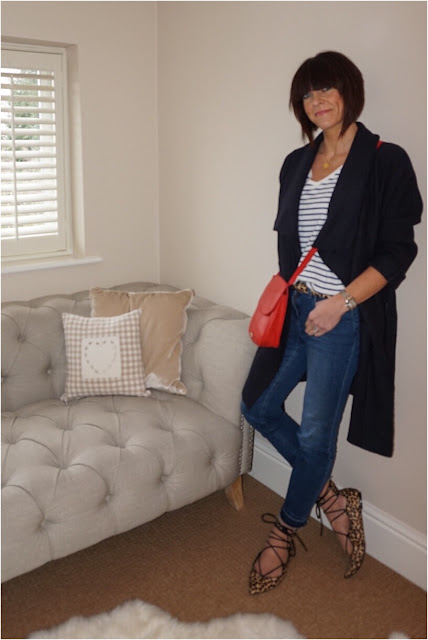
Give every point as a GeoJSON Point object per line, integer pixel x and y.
{"type": "Point", "coordinates": [290, 533]}
{"type": "Point", "coordinates": [329, 511]}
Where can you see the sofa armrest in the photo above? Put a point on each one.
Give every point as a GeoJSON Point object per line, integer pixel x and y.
{"type": "Point", "coordinates": [217, 355]}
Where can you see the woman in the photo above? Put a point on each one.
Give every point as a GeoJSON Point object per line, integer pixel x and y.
{"type": "Point", "coordinates": [356, 200]}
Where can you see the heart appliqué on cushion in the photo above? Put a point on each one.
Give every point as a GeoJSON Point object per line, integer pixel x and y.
{"type": "Point", "coordinates": [101, 358]}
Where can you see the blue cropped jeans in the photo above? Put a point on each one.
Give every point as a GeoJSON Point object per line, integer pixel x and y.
{"type": "Point", "coordinates": [329, 363]}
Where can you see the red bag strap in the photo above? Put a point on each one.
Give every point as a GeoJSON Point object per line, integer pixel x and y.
{"type": "Point", "coordinates": [312, 251]}
{"type": "Point", "coordinates": [379, 142]}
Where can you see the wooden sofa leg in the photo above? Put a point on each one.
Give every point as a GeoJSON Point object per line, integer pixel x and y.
{"type": "Point", "coordinates": [235, 494]}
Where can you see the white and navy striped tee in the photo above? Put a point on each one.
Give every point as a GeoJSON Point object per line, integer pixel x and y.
{"type": "Point", "coordinates": [313, 208]}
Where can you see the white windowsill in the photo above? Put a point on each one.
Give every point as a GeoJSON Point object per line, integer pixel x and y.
{"type": "Point", "coordinates": [49, 264]}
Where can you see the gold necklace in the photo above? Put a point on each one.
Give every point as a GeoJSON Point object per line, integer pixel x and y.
{"type": "Point", "coordinates": [326, 163]}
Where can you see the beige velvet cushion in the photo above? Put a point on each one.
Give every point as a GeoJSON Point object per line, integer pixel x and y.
{"type": "Point", "coordinates": [163, 323]}
{"type": "Point", "coordinates": [103, 356]}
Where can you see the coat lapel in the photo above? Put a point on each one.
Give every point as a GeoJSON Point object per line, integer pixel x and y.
{"type": "Point", "coordinates": [345, 204]}
{"type": "Point", "coordinates": [346, 201]}
{"type": "Point", "coordinates": [291, 189]}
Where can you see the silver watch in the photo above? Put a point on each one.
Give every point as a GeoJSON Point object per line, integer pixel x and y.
{"type": "Point", "coordinates": [350, 302]}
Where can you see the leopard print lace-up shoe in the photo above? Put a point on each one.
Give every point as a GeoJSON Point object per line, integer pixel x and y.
{"type": "Point", "coordinates": [281, 542]}
{"type": "Point", "coordinates": [355, 545]}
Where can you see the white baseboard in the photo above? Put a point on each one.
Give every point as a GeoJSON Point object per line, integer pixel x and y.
{"type": "Point", "coordinates": [389, 540]}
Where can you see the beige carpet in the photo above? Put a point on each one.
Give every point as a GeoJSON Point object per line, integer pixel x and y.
{"type": "Point", "coordinates": [194, 563]}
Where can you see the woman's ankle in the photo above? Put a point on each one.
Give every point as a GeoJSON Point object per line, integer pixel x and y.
{"type": "Point", "coordinates": [287, 526]}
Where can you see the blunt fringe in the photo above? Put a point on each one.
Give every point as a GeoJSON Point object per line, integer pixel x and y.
{"type": "Point", "coordinates": [328, 69]}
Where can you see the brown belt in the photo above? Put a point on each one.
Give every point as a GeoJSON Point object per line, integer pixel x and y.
{"type": "Point", "coordinates": [303, 288]}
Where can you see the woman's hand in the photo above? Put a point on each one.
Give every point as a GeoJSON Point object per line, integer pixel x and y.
{"type": "Point", "coordinates": [325, 316]}
{"type": "Point", "coordinates": [327, 313]}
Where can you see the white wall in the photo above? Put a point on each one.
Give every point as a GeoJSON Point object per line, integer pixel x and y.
{"type": "Point", "coordinates": [116, 44]}
{"type": "Point", "coordinates": [224, 73]}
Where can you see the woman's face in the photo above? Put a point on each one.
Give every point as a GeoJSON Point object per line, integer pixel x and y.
{"type": "Point", "coordinates": [325, 108]}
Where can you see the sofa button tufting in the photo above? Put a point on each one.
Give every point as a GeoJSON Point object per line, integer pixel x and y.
{"type": "Point", "coordinates": [132, 446]}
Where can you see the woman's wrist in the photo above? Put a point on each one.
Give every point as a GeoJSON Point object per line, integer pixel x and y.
{"type": "Point", "coordinates": [349, 301]}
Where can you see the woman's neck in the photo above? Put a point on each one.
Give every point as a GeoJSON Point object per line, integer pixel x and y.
{"type": "Point", "coordinates": [335, 144]}
{"type": "Point", "coordinates": [333, 151]}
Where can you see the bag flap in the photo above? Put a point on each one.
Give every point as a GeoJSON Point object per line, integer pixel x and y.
{"type": "Point", "coordinates": [271, 295]}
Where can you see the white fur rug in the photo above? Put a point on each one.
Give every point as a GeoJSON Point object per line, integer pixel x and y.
{"type": "Point", "coordinates": [137, 619]}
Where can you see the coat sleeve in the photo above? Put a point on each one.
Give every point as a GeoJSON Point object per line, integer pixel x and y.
{"type": "Point", "coordinates": [400, 209]}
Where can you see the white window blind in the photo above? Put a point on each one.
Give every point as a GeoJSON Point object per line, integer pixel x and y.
{"type": "Point", "coordinates": [34, 202]}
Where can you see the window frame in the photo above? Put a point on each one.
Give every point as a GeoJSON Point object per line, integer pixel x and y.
{"type": "Point", "coordinates": [61, 244]}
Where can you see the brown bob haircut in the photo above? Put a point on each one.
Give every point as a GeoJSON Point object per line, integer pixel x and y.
{"type": "Point", "coordinates": [328, 69]}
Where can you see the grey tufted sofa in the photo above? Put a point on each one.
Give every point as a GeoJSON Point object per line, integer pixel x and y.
{"type": "Point", "coordinates": [74, 474]}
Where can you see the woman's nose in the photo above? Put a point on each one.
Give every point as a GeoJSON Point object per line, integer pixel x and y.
{"type": "Point", "coordinates": [317, 97]}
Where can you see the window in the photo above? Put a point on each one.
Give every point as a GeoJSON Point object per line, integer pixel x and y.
{"type": "Point", "coordinates": [35, 190]}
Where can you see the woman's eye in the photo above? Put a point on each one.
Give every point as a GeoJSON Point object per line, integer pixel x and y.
{"type": "Point", "coordinates": [308, 95]}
